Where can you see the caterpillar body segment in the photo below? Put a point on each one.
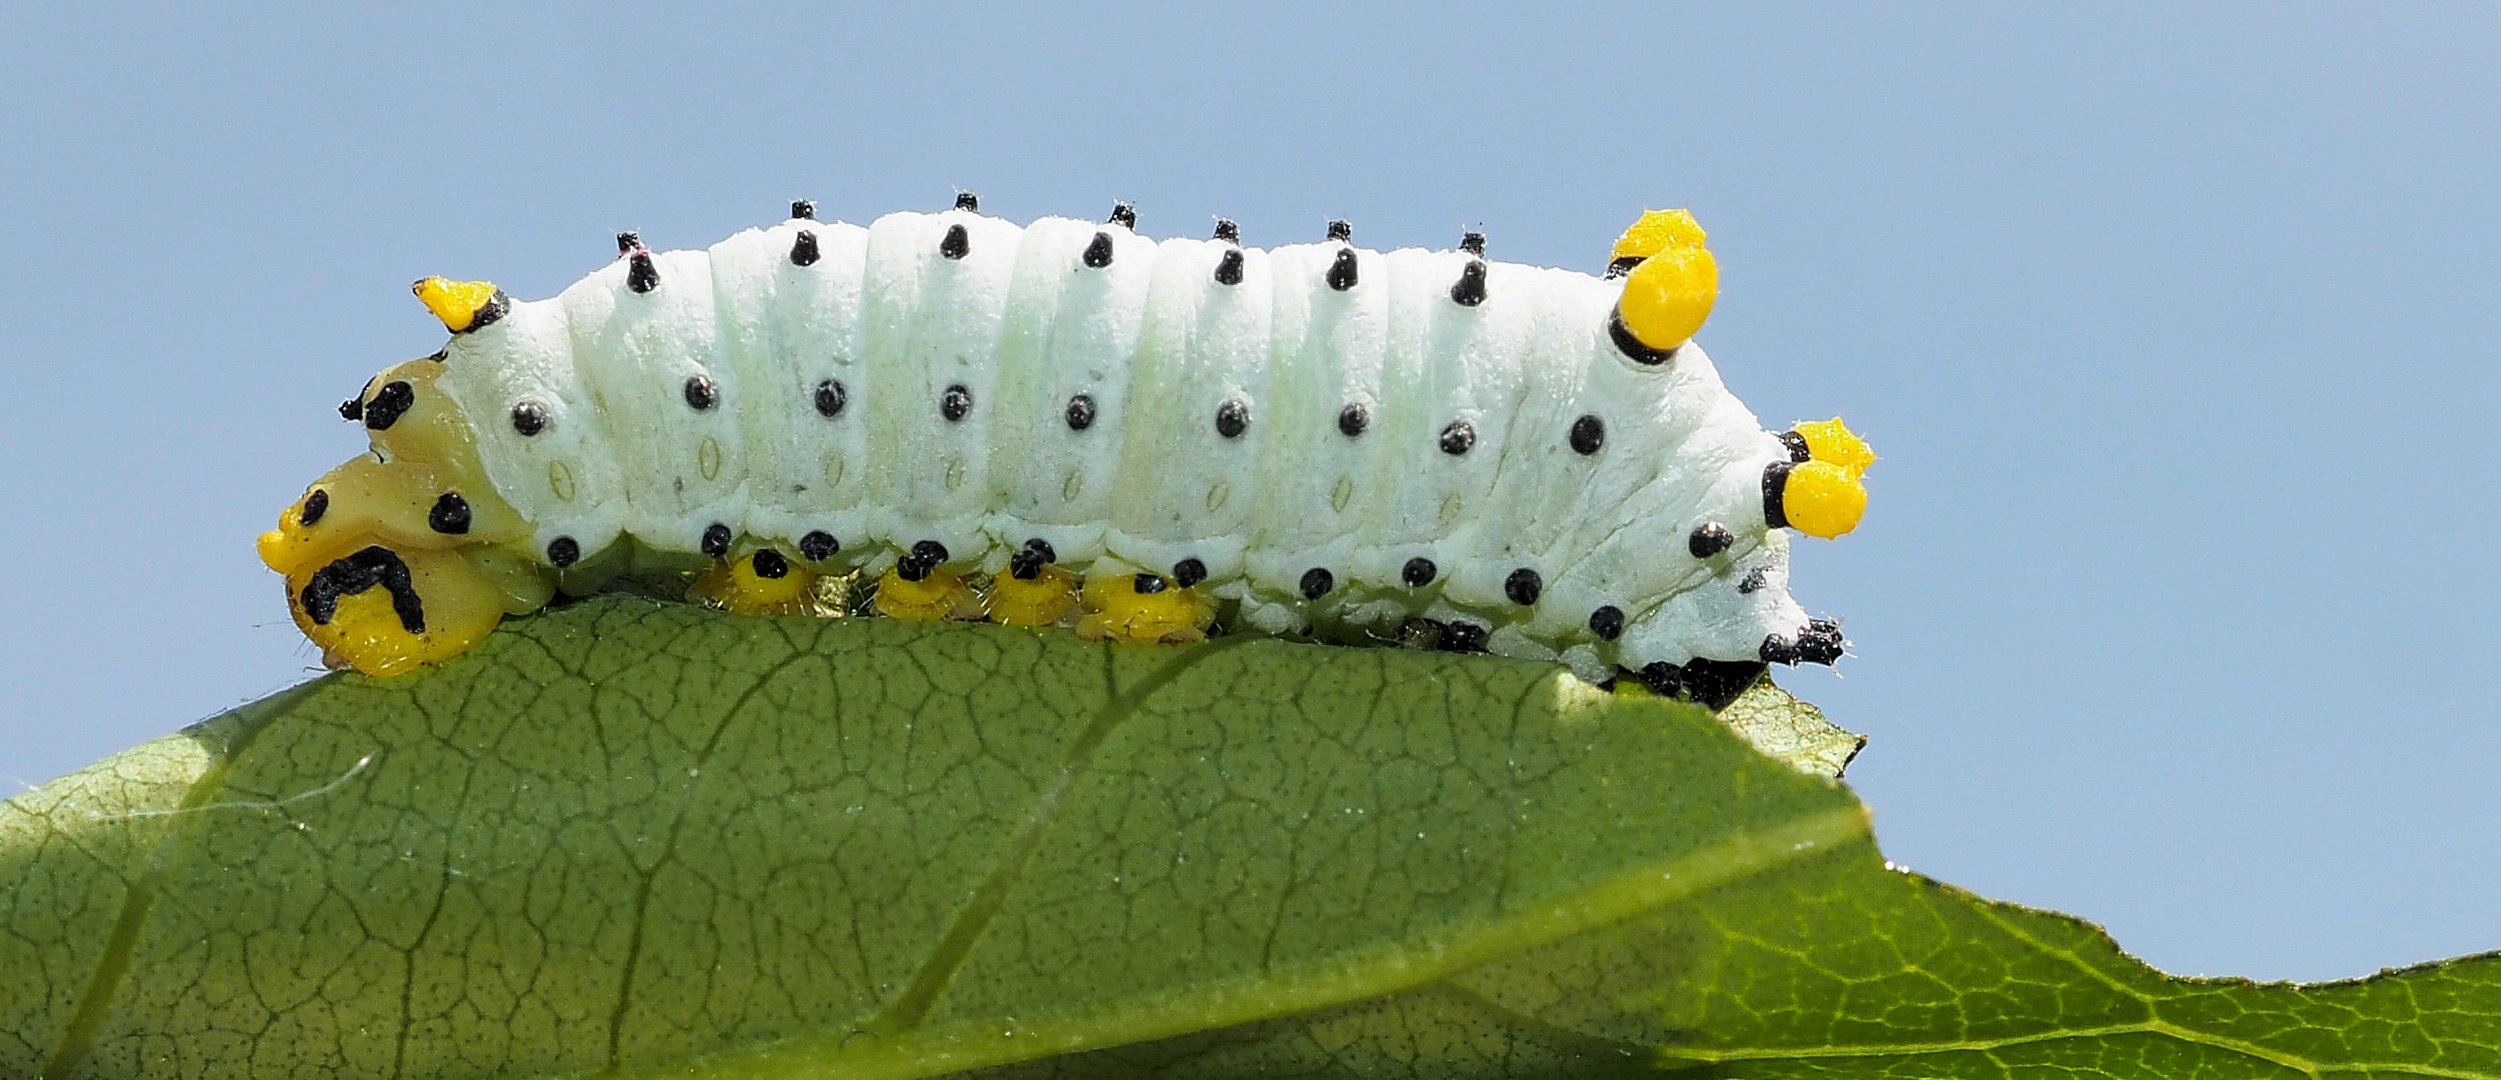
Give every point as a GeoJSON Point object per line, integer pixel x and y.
{"type": "Point", "coordinates": [1068, 423]}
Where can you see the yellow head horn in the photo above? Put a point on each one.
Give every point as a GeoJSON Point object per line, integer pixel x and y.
{"type": "Point", "coordinates": [1657, 231]}
{"type": "Point", "coordinates": [1832, 441]}
{"type": "Point", "coordinates": [462, 305]}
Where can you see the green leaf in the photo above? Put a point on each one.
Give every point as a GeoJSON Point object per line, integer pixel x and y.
{"type": "Point", "coordinates": [640, 839]}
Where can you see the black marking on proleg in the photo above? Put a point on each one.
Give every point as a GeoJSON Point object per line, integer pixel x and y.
{"type": "Point", "coordinates": [1708, 539]}
{"type": "Point", "coordinates": [916, 564]}
{"type": "Point", "coordinates": [1799, 452]}
{"type": "Point", "coordinates": [1463, 637]}
{"type": "Point", "coordinates": [370, 568]}
{"type": "Point", "coordinates": [1589, 434]}
{"type": "Point", "coordinates": [1524, 586]}
{"type": "Point", "coordinates": [1341, 275]}
{"type": "Point", "coordinates": [1631, 346]}
{"type": "Point", "coordinates": [1352, 419]}
{"type": "Point", "coordinates": [1227, 231]}
{"type": "Point", "coordinates": [1147, 584]}
{"type": "Point", "coordinates": [1233, 418]}
{"type": "Point", "coordinates": [1776, 485]}
{"type": "Point", "coordinates": [965, 200]}
{"type": "Point", "coordinates": [803, 249]}
{"type": "Point", "coordinates": [803, 209]}
{"type": "Point", "coordinates": [1419, 572]}
{"type": "Point", "coordinates": [641, 274]}
{"type": "Point", "coordinates": [769, 563]}
{"type": "Point", "coordinates": [1622, 266]}
{"type": "Point", "coordinates": [1777, 649]}
{"type": "Point", "coordinates": [388, 404]}
{"type": "Point", "coordinates": [1607, 622]}
{"type": "Point", "coordinates": [830, 398]}
{"type": "Point", "coordinates": [1821, 642]}
{"type": "Point", "coordinates": [818, 546]}
{"type": "Point", "coordinates": [563, 551]}
{"type": "Point", "coordinates": [956, 402]}
{"type": "Point", "coordinates": [315, 505]}
{"type": "Point", "coordinates": [450, 515]}
{"type": "Point", "coordinates": [701, 394]}
{"type": "Point", "coordinates": [1229, 267]}
{"type": "Point", "coordinates": [1341, 231]}
{"type": "Point", "coordinates": [1458, 438]}
{"type": "Point", "coordinates": [1663, 678]}
{"type": "Point", "coordinates": [1080, 412]}
{"type": "Point", "coordinates": [1098, 252]}
{"type": "Point", "coordinates": [529, 418]}
{"type": "Point", "coordinates": [1027, 563]}
{"type": "Point", "coordinates": [1717, 682]}
{"type": "Point", "coordinates": [956, 243]}
{"type": "Point", "coordinates": [1188, 572]}
{"type": "Point", "coordinates": [1317, 582]}
{"type": "Point", "coordinates": [1124, 215]}
{"type": "Point", "coordinates": [353, 408]}
{"type": "Point", "coordinates": [1752, 582]}
{"type": "Point", "coordinates": [1472, 242]}
{"type": "Point", "coordinates": [716, 540]}
{"type": "Point", "coordinates": [1469, 291]}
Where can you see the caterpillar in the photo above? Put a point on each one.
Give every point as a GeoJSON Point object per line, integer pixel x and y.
{"type": "Point", "coordinates": [1070, 424]}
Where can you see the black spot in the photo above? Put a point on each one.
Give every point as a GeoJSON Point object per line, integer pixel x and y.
{"type": "Point", "coordinates": [1472, 242]}
{"type": "Point", "coordinates": [716, 540]}
{"type": "Point", "coordinates": [1341, 231]}
{"type": "Point", "coordinates": [315, 505]}
{"type": "Point", "coordinates": [1317, 582]}
{"type": "Point", "coordinates": [1124, 215]}
{"type": "Point", "coordinates": [1821, 642]}
{"type": "Point", "coordinates": [956, 244]}
{"type": "Point", "coordinates": [627, 241]}
{"type": "Point", "coordinates": [1589, 433]}
{"type": "Point", "coordinates": [1799, 452]}
{"type": "Point", "coordinates": [641, 274]}
{"type": "Point", "coordinates": [701, 395]}
{"type": "Point", "coordinates": [803, 249]}
{"type": "Point", "coordinates": [1233, 418]}
{"type": "Point", "coordinates": [563, 551]}
{"type": "Point", "coordinates": [1663, 678]}
{"type": "Point", "coordinates": [1458, 438]}
{"type": "Point", "coordinates": [916, 564]}
{"type": "Point", "coordinates": [1775, 485]}
{"type": "Point", "coordinates": [1027, 563]}
{"type": "Point", "coordinates": [388, 405]}
{"type": "Point", "coordinates": [965, 200]}
{"type": "Point", "coordinates": [1752, 582]}
{"type": "Point", "coordinates": [1777, 650]}
{"type": "Point", "coordinates": [1188, 572]}
{"type": "Point", "coordinates": [1463, 637]}
{"type": "Point", "coordinates": [803, 209]}
{"type": "Point", "coordinates": [1419, 572]}
{"type": "Point", "coordinates": [818, 546]}
{"type": "Point", "coordinates": [1717, 682]}
{"type": "Point", "coordinates": [1607, 622]}
{"type": "Point", "coordinates": [1620, 267]}
{"type": "Point", "coordinates": [769, 563]}
{"type": "Point", "coordinates": [1080, 412]}
{"type": "Point", "coordinates": [450, 515]}
{"type": "Point", "coordinates": [830, 398]}
{"type": "Point", "coordinates": [1229, 267]}
{"type": "Point", "coordinates": [1098, 253]}
{"type": "Point", "coordinates": [1470, 289]}
{"type": "Point", "coordinates": [1524, 586]}
{"type": "Point", "coordinates": [373, 567]}
{"type": "Point", "coordinates": [1227, 231]}
{"type": "Point", "coordinates": [1146, 584]}
{"type": "Point", "coordinates": [529, 418]}
{"type": "Point", "coordinates": [1342, 270]}
{"type": "Point", "coordinates": [955, 403]}
{"type": "Point", "coordinates": [1708, 539]}
{"type": "Point", "coordinates": [353, 408]}
{"type": "Point", "coordinates": [1632, 347]}
{"type": "Point", "coordinates": [1352, 419]}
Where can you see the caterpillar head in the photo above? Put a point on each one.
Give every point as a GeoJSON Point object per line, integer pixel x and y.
{"type": "Point", "coordinates": [371, 579]}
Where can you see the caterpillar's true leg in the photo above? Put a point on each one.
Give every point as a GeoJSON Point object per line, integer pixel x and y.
{"type": "Point", "coordinates": [1143, 608]}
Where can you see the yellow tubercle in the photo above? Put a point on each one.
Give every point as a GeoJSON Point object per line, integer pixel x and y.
{"type": "Point", "coordinates": [749, 585]}
{"type": "Point", "coordinates": [1831, 441]}
{"type": "Point", "coordinates": [458, 303]}
{"type": "Point", "coordinates": [1822, 499]}
{"type": "Point", "coordinates": [1657, 231]}
{"type": "Point", "coordinates": [387, 613]}
{"type": "Point", "coordinates": [941, 594]}
{"type": "Point", "coordinates": [1669, 296]}
{"type": "Point", "coordinates": [1043, 600]}
{"type": "Point", "coordinates": [1116, 610]}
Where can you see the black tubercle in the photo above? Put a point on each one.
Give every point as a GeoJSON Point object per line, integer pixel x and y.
{"type": "Point", "coordinates": [769, 563]}
{"type": "Point", "coordinates": [1341, 275]}
{"type": "Point", "coordinates": [370, 568]}
{"type": "Point", "coordinates": [803, 249]}
{"type": "Point", "coordinates": [1589, 434]}
{"type": "Point", "coordinates": [1098, 253]}
{"type": "Point", "coordinates": [956, 244]}
{"type": "Point", "coordinates": [1607, 622]}
{"type": "Point", "coordinates": [1233, 418]}
{"type": "Point", "coordinates": [529, 418]}
{"type": "Point", "coordinates": [1775, 486]}
{"type": "Point", "coordinates": [1419, 572]}
{"type": "Point", "coordinates": [1708, 539]}
{"type": "Point", "coordinates": [1080, 412]}
{"type": "Point", "coordinates": [956, 402]}
{"type": "Point", "coordinates": [701, 394]}
{"type": "Point", "coordinates": [1188, 572]}
{"type": "Point", "coordinates": [1227, 231]}
{"type": "Point", "coordinates": [1799, 452]}
{"type": "Point", "coordinates": [1753, 581]}
{"type": "Point", "coordinates": [1353, 419]}
{"type": "Point", "coordinates": [353, 408]}
{"type": "Point", "coordinates": [315, 505]}
{"type": "Point", "coordinates": [916, 564]}
{"type": "Point", "coordinates": [388, 405]}
{"type": "Point", "coordinates": [627, 241]}
{"type": "Point", "coordinates": [1821, 642]}
{"type": "Point", "coordinates": [830, 398]}
{"type": "Point", "coordinates": [1317, 582]}
{"type": "Point", "coordinates": [1777, 649]}
{"type": "Point", "coordinates": [965, 200]}
{"type": "Point", "coordinates": [1463, 637]}
{"type": "Point", "coordinates": [803, 209]}
{"type": "Point", "coordinates": [818, 546]}
{"type": "Point", "coordinates": [1341, 231]}
{"type": "Point", "coordinates": [563, 551]}
{"type": "Point", "coordinates": [1524, 586]}
{"type": "Point", "coordinates": [1147, 584]}
{"type": "Point", "coordinates": [1469, 290]}
{"type": "Point", "coordinates": [641, 274]}
{"type": "Point", "coordinates": [716, 540]}
{"type": "Point", "coordinates": [1229, 267]}
{"type": "Point", "coordinates": [1124, 215]}
{"type": "Point", "coordinates": [1631, 346]}
{"type": "Point", "coordinates": [1027, 562]}
{"type": "Point", "coordinates": [450, 515]}
{"type": "Point", "coordinates": [1472, 242]}
{"type": "Point", "coordinates": [1458, 438]}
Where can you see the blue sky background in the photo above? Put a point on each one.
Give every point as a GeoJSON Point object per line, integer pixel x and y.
{"type": "Point", "coordinates": [2177, 331]}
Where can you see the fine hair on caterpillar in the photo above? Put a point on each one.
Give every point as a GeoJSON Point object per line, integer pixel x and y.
{"type": "Point", "coordinates": [1067, 423]}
